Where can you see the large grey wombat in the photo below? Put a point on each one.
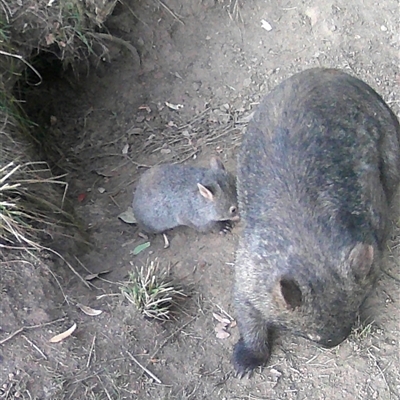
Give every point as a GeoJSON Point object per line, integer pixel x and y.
{"type": "Point", "coordinates": [318, 167]}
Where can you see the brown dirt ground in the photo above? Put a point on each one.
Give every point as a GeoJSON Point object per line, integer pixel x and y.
{"type": "Point", "coordinates": [218, 67]}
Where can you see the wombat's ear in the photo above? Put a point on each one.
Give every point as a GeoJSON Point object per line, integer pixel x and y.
{"type": "Point", "coordinates": [216, 163]}
{"type": "Point", "coordinates": [205, 192]}
{"type": "Point", "coordinates": [287, 293]}
{"type": "Point", "coordinates": [361, 258]}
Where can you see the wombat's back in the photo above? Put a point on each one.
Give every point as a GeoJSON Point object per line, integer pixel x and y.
{"type": "Point", "coordinates": [318, 166]}
{"type": "Point", "coordinates": [319, 127]}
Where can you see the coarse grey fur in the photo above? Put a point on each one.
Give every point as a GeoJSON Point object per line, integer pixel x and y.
{"type": "Point", "coordinates": [317, 170]}
{"type": "Point", "coordinates": [170, 195]}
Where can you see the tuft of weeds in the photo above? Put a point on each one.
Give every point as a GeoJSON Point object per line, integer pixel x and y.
{"type": "Point", "coordinates": [152, 290]}
{"type": "Point", "coordinates": [65, 28]}
{"type": "Point", "coordinates": [31, 202]}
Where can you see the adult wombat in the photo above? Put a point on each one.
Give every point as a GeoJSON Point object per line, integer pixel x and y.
{"type": "Point", "coordinates": [170, 195]}
{"type": "Point", "coordinates": [317, 169]}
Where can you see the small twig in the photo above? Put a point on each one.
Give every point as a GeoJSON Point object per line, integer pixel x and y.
{"type": "Point", "coordinates": [130, 9]}
{"type": "Point", "coordinates": [35, 347]}
{"type": "Point", "coordinates": [25, 328]}
{"type": "Point", "coordinates": [109, 294]}
{"type": "Point", "coordinates": [390, 275]}
{"type": "Point", "coordinates": [7, 13]}
{"type": "Point", "coordinates": [380, 371]}
{"type": "Point", "coordinates": [116, 40]}
{"type": "Point", "coordinates": [143, 368]}
{"type": "Point", "coordinates": [83, 266]}
{"type": "Point", "coordinates": [172, 13]}
{"type": "Point", "coordinates": [26, 63]}
{"type": "Point", "coordinates": [91, 351]}
{"type": "Point", "coordinates": [68, 265]}
{"type": "Point", "coordinates": [191, 155]}
{"type": "Point", "coordinates": [223, 311]}
{"type": "Point", "coordinates": [105, 389]}
{"type": "Point", "coordinates": [51, 273]}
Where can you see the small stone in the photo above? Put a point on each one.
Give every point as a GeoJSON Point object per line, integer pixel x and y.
{"type": "Point", "coordinates": [247, 82]}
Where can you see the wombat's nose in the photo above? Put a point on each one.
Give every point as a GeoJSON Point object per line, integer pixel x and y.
{"type": "Point", "coordinates": [335, 340]}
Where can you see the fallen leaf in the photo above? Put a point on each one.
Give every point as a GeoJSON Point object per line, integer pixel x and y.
{"type": "Point", "coordinates": [144, 107]}
{"type": "Point", "coordinates": [89, 311]}
{"type": "Point", "coordinates": [221, 319]}
{"type": "Point", "coordinates": [128, 216]}
{"type": "Point", "coordinates": [90, 277]}
{"type": "Point", "coordinates": [232, 324]}
{"type": "Point", "coordinates": [125, 149]}
{"type": "Point", "coordinates": [81, 197]}
{"type": "Point", "coordinates": [49, 39]}
{"type": "Point", "coordinates": [64, 335]}
{"type": "Point", "coordinates": [223, 335]}
{"type": "Point", "coordinates": [175, 107]}
{"type": "Point", "coordinates": [266, 25]}
{"type": "Point", "coordinates": [220, 327]}
{"type": "Point", "coordinates": [140, 248]}
{"type": "Point", "coordinates": [313, 14]}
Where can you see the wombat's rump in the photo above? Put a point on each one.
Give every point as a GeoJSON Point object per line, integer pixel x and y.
{"type": "Point", "coordinates": [318, 167]}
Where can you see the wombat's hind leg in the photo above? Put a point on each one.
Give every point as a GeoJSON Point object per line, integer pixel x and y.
{"type": "Point", "coordinates": [253, 348]}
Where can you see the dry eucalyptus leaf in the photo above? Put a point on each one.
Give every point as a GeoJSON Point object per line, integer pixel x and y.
{"type": "Point", "coordinates": [266, 25]}
{"type": "Point", "coordinates": [89, 311]}
{"type": "Point", "coordinates": [221, 319]}
{"type": "Point", "coordinates": [125, 149]}
{"type": "Point", "coordinates": [220, 327]}
{"type": "Point", "coordinates": [223, 334]}
{"type": "Point", "coordinates": [62, 336]}
{"type": "Point", "coordinates": [90, 277]}
{"type": "Point", "coordinates": [175, 107]}
{"type": "Point", "coordinates": [127, 216]}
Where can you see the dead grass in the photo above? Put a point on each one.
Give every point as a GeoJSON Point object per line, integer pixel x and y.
{"type": "Point", "coordinates": [152, 291]}
{"type": "Point", "coordinates": [32, 200]}
{"type": "Point", "coordinates": [62, 27]}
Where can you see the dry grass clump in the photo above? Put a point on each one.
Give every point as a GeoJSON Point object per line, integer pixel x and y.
{"type": "Point", "coordinates": [31, 198]}
{"type": "Point", "coordinates": [63, 27]}
{"type": "Point", "coordinates": [152, 291]}
{"type": "Point", "coordinates": [31, 202]}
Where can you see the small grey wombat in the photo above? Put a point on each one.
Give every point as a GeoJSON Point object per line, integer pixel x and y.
{"type": "Point", "coordinates": [170, 195]}
{"type": "Point", "coordinates": [318, 167]}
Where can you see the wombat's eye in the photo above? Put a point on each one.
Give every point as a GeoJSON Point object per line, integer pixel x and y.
{"type": "Point", "coordinates": [232, 210]}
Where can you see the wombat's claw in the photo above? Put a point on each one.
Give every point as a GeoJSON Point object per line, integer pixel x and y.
{"type": "Point", "coordinates": [245, 360]}
{"type": "Point", "coordinates": [166, 241]}
{"type": "Point", "coordinates": [225, 227]}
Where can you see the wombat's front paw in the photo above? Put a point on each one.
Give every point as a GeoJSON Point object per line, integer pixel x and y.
{"type": "Point", "coordinates": [225, 227]}
{"type": "Point", "coordinates": [246, 360]}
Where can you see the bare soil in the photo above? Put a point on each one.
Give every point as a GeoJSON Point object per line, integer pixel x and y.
{"type": "Point", "coordinates": [216, 60]}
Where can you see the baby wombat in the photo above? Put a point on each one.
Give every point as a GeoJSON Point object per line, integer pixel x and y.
{"type": "Point", "coordinates": [171, 195]}
{"type": "Point", "coordinates": [317, 169]}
